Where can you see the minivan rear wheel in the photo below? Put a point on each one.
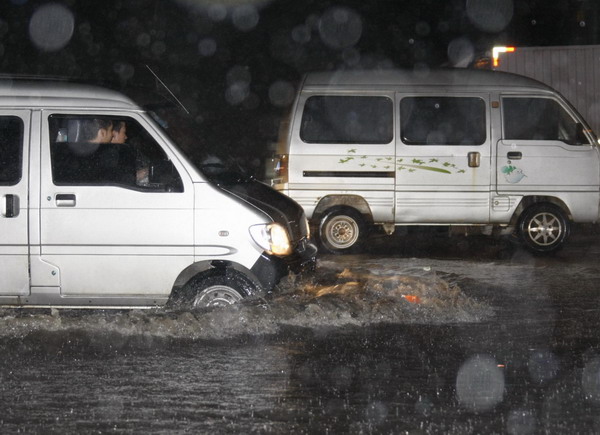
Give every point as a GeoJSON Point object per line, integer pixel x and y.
{"type": "Point", "coordinates": [544, 228]}
{"type": "Point", "coordinates": [218, 288]}
{"type": "Point", "coordinates": [342, 231]}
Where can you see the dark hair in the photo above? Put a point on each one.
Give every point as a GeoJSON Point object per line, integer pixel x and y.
{"type": "Point", "coordinates": [90, 128]}
{"type": "Point", "coordinates": [118, 125]}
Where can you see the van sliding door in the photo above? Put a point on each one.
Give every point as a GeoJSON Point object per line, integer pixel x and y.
{"type": "Point", "coordinates": [443, 158]}
{"type": "Point", "coordinates": [14, 210]}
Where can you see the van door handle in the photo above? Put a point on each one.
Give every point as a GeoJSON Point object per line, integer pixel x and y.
{"type": "Point", "coordinates": [11, 206]}
{"type": "Point", "coordinates": [514, 155]}
{"type": "Point", "coordinates": [474, 159]}
{"type": "Point", "coordinates": [65, 200]}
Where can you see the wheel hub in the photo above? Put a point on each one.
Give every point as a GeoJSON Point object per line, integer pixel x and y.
{"type": "Point", "coordinates": [545, 229]}
{"type": "Point", "coordinates": [216, 296]}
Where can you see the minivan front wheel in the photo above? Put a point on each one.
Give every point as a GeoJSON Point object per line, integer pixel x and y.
{"type": "Point", "coordinates": [218, 288]}
{"type": "Point", "coordinates": [341, 231]}
{"type": "Point", "coordinates": [544, 228]}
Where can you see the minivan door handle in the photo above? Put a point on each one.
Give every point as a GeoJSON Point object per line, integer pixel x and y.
{"type": "Point", "coordinates": [474, 159]}
{"type": "Point", "coordinates": [65, 200]}
{"type": "Point", "coordinates": [11, 206]}
{"type": "Point", "coordinates": [514, 155]}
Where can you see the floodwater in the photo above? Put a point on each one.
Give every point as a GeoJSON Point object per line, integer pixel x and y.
{"type": "Point", "coordinates": [436, 335]}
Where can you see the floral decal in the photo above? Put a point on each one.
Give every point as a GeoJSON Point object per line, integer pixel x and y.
{"type": "Point", "coordinates": [401, 164]}
{"type": "Point", "coordinates": [512, 174]}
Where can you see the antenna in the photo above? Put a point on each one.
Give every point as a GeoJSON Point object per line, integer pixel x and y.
{"type": "Point", "coordinates": [168, 90]}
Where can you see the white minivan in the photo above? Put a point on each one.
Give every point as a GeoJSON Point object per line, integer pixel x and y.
{"type": "Point", "coordinates": [452, 147]}
{"type": "Point", "coordinates": [79, 225]}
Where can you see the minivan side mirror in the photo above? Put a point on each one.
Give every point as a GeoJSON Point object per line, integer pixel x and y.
{"type": "Point", "coordinates": [576, 135]}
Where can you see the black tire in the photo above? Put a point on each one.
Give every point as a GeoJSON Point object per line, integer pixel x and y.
{"type": "Point", "coordinates": [217, 288]}
{"type": "Point", "coordinates": [543, 228]}
{"type": "Point", "coordinates": [342, 231]}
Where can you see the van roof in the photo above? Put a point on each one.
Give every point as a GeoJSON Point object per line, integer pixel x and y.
{"type": "Point", "coordinates": [439, 77]}
{"type": "Point", "coordinates": [46, 93]}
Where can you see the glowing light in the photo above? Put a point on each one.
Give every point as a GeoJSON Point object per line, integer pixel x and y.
{"type": "Point", "coordinates": [496, 54]}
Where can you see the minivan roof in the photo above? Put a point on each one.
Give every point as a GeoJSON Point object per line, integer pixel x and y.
{"type": "Point", "coordinates": [436, 77]}
{"type": "Point", "coordinates": [45, 93]}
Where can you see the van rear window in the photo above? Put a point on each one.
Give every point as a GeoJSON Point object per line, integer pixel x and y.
{"type": "Point", "coordinates": [442, 120]}
{"type": "Point", "coordinates": [347, 120]}
{"type": "Point", "coordinates": [11, 150]}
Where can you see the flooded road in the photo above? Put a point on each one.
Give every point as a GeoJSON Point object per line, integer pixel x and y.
{"type": "Point", "coordinates": [418, 335]}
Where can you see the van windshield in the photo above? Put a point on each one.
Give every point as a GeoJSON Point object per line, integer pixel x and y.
{"type": "Point", "coordinates": [212, 161]}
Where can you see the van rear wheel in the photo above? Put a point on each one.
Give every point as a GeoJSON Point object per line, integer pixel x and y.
{"type": "Point", "coordinates": [544, 228]}
{"type": "Point", "coordinates": [342, 231]}
{"type": "Point", "coordinates": [218, 288]}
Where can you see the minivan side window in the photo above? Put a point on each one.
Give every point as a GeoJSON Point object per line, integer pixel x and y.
{"type": "Point", "coordinates": [347, 120]}
{"type": "Point", "coordinates": [442, 121]}
{"type": "Point", "coordinates": [11, 150]}
{"type": "Point", "coordinates": [134, 160]}
{"type": "Point", "coordinates": [538, 118]}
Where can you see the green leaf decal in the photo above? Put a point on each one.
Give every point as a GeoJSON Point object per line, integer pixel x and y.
{"type": "Point", "coordinates": [429, 168]}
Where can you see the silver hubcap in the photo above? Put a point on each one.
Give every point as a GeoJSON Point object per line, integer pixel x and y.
{"type": "Point", "coordinates": [342, 232]}
{"type": "Point", "coordinates": [544, 229]}
{"type": "Point", "coordinates": [216, 296]}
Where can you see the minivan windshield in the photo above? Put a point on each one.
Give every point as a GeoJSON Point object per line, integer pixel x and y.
{"type": "Point", "coordinates": [212, 161]}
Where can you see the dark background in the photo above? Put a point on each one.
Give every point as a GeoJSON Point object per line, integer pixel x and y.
{"type": "Point", "coordinates": [236, 64]}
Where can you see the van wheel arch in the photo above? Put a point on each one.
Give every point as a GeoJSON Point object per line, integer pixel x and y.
{"type": "Point", "coordinates": [200, 270]}
{"type": "Point", "coordinates": [529, 201]}
{"type": "Point", "coordinates": [356, 202]}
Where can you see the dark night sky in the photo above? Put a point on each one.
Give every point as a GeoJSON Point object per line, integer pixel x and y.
{"type": "Point", "coordinates": [236, 63]}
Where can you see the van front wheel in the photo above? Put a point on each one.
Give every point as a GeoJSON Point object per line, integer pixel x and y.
{"type": "Point", "coordinates": [544, 228]}
{"type": "Point", "coordinates": [341, 231]}
{"type": "Point", "coordinates": [217, 288]}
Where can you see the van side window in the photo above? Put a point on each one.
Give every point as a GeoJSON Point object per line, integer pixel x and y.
{"type": "Point", "coordinates": [347, 120]}
{"type": "Point", "coordinates": [442, 121]}
{"type": "Point", "coordinates": [11, 150]}
{"type": "Point", "coordinates": [536, 118]}
{"type": "Point", "coordinates": [135, 162]}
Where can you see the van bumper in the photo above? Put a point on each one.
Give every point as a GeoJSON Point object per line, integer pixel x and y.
{"type": "Point", "coordinates": [269, 269]}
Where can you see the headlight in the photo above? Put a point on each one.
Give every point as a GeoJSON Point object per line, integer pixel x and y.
{"type": "Point", "coordinates": [307, 226]}
{"type": "Point", "coordinates": [273, 238]}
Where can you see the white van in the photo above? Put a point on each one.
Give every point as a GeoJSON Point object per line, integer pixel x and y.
{"type": "Point", "coordinates": [448, 147]}
{"type": "Point", "coordinates": [79, 227]}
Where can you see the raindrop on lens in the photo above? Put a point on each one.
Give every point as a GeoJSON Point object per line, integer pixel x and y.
{"type": "Point", "coordinates": [207, 47]}
{"type": "Point", "coordinates": [301, 34]}
{"type": "Point", "coordinates": [158, 48]}
{"type": "Point", "coordinates": [490, 15]}
{"type": "Point", "coordinates": [340, 28]}
{"type": "Point", "coordinates": [543, 366]}
{"type": "Point", "coordinates": [245, 18]}
{"type": "Point", "coordinates": [51, 27]}
{"type": "Point", "coordinates": [217, 12]}
{"type": "Point", "coordinates": [143, 40]}
{"type": "Point", "coordinates": [480, 383]}
{"type": "Point", "coordinates": [281, 93]}
{"type": "Point", "coordinates": [461, 52]}
{"type": "Point", "coordinates": [422, 28]}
